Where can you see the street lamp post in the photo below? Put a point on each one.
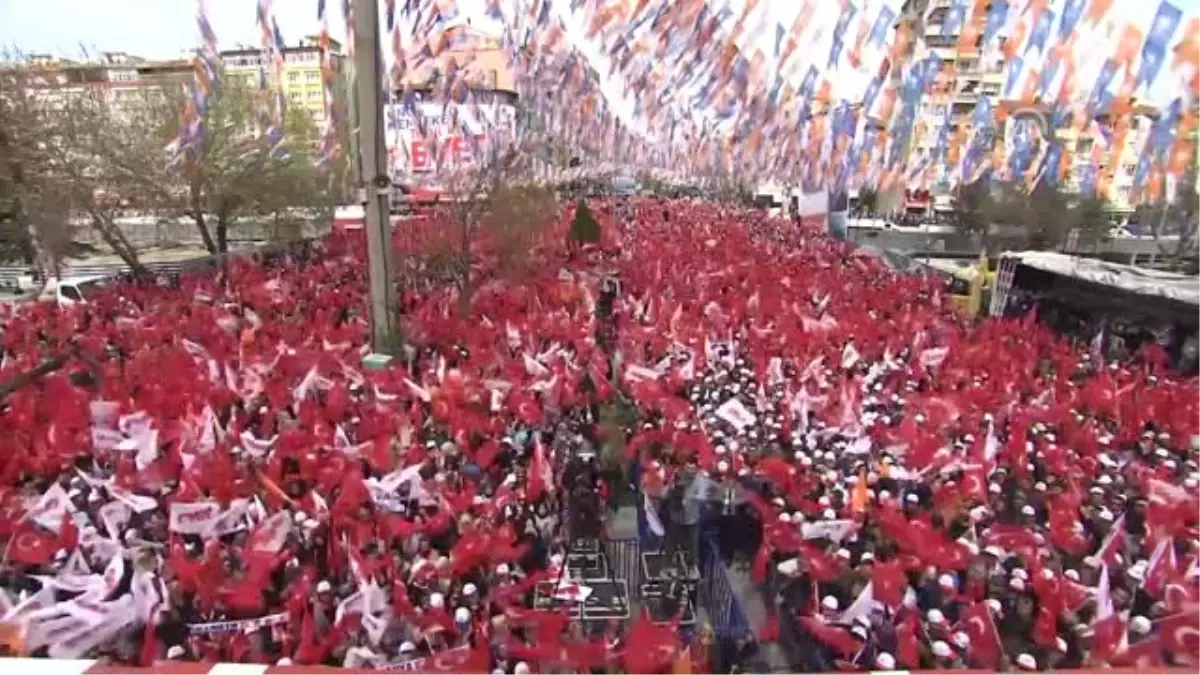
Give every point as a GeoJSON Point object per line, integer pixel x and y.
{"type": "Point", "coordinates": [374, 183]}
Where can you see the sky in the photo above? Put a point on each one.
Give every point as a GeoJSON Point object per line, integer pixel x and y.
{"type": "Point", "coordinates": [147, 28]}
{"type": "Point", "coordinates": [165, 28]}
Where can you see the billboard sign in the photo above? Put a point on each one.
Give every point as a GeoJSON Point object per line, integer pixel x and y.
{"type": "Point", "coordinates": [424, 137]}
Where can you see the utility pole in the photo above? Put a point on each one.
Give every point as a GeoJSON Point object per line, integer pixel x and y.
{"type": "Point", "coordinates": [374, 183]}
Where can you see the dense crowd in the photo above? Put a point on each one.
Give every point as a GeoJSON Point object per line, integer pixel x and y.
{"type": "Point", "coordinates": [214, 474]}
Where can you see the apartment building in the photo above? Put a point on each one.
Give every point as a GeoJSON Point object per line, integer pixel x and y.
{"type": "Point", "coordinates": [968, 73]}
{"type": "Point", "coordinates": [120, 80]}
{"type": "Point", "coordinates": [301, 74]}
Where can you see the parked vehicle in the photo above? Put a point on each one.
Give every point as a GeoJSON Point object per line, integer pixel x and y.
{"type": "Point", "coordinates": [71, 291]}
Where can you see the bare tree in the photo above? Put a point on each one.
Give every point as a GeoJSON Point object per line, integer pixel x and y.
{"type": "Point", "coordinates": [70, 155]}
{"type": "Point", "coordinates": [35, 214]}
{"type": "Point", "coordinates": [495, 218]}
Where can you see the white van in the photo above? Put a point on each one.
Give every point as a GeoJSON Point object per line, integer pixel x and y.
{"type": "Point", "coordinates": [71, 291]}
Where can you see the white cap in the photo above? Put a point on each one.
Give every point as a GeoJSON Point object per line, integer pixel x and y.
{"type": "Point", "coordinates": [285, 661]}
{"type": "Point", "coordinates": [437, 601]}
{"type": "Point", "coordinates": [462, 615]}
{"type": "Point", "coordinates": [843, 554]}
{"type": "Point", "coordinates": [941, 649]}
{"type": "Point", "coordinates": [299, 517]}
{"type": "Point", "coordinates": [1021, 574]}
{"type": "Point", "coordinates": [470, 589]}
{"type": "Point", "coordinates": [785, 518]}
{"type": "Point", "coordinates": [1073, 575]}
{"type": "Point", "coordinates": [946, 581]}
{"type": "Point", "coordinates": [1139, 625]}
{"type": "Point", "coordinates": [830, 603]}
{"type": "Point", "coordinates": [521, 668]}
{"type": "Point", "coordinates": [502, 568]}
{"type": "Point", "coordinates": [1027, 510]}
{"type": "Point", "coordinates": [175, 652]}
{"type": "Point", "coordinates": [407, 646]}
{"type": "Point", "coordinates": [885, 661]}
{"type": "Point", "coordinates": [859, 631]}
{"type": "Point", "coordinates": [1026, 662]}
{"type": "Point", "coordinates": [935, 616]}
{"type": "Point", "coordinates": [323, 586]}
{"type": "Point", "coordinates": [1016, 584]}
{"type": "Point", "coordinates": [961, 640]}
{"type": "Point", "coordinates": [994, 605]}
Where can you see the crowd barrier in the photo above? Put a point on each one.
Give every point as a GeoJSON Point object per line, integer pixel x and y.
{"type": "Point", "coordinates": [716, 596]}
{"type": "Point", "coordinates": [625, 557]}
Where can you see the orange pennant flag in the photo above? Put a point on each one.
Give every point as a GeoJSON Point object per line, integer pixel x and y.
{"type": "Point", "coordinates": [1188, 49]}
{"type": "Point", "coordinates": [1128, 45]}
{"type": "Point", "coordinates": [1097, 10]}
{"type": "Point", "coordinates": [860, 499]}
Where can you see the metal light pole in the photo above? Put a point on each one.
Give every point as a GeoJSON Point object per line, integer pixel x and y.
{"type": "Point", "coordinates": [373, 180]}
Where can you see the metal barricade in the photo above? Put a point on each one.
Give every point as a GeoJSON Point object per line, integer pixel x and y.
{"type": "Point", "coordinates": [625, 560]}
{"type": "Point", "coordinates": [716, 595]}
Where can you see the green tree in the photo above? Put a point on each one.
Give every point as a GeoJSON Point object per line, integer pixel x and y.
{"type": "Point", "coordinates": [1090, 219]}
{"type": "Point", "coordinates": [232, 176]}
{"type": "Point", "coordinates": [584, 228]}
{"type": "Point", "coordinates": [974, 209]}
{"type": "Point", "coordinates": [1176, 216]}
{"type": "Point", "coordinates": [1047, 216]}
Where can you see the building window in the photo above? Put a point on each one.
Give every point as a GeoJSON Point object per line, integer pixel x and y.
{"type": "Point", "coordinates": [312, 75]}
{"type": "Point", "coordinates": [293, 78]}
{"type": "Point", "coordinates": [314, 95]}
{"type": "Point", "coordinates": [294, 97]}
{"type": "Point", "coordinates": [1084, 145]}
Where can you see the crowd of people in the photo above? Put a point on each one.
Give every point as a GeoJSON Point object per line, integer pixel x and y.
{"type": "Point", "coordinates": [214, 475]}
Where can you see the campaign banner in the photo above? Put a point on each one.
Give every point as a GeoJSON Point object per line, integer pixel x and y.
{"type": "Point", "coordinates": [239, 626]}
{"type": "Point", "coordinates": [206, 519]}
{"type": "Point", "coordinates": [423, 137]}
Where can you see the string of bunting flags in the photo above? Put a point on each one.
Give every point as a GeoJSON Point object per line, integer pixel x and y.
{"type": "Point", "coordinates": [836, 98]}
{"type": "Point", "coordinates": [840, 96]}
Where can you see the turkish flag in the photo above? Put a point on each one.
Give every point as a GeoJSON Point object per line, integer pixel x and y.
{"type": "Point", "coordinates": [1141, 655]}
{"type": "Point", "coordinates": [1181, 636]}
{"type": "Point", "coordinates": [32, 545]}
{"type": "Point", "coordinates": [836, 638]}
{"type": "Point", "coordinates": [976, 621]}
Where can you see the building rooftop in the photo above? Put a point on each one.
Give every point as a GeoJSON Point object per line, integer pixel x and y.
{"type": "Point", "coordinates": [485, 61]}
